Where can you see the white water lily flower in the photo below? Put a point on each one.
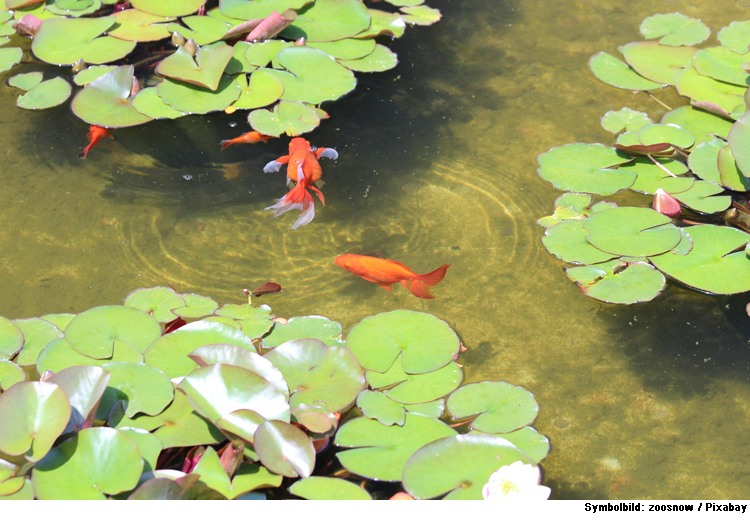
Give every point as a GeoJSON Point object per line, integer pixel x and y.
{"type": "Point", "coordinates": [517, 481]}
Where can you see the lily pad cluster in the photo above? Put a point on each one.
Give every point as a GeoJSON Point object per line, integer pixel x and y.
{"type": "Point", "coordinates": [156, 59]}
{"type": "Point", "coordinates": [694, 161]}
{"type": "Point", "coordinates": [171, 396]}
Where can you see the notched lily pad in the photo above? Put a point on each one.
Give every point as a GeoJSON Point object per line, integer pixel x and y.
{"type": "Point", "coordinates": [675, 29]}
{"type": "Point", "coordinates": [618, 281]}
{"type": "Point", "coordinates": [500, 407]}
{"type": "Point", "coordinates": [585, 168]}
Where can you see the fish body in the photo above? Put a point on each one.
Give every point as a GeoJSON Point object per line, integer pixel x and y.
{"type": "Point", "coordinates": [385, 273]}
{"type": "Point", "coordinates": [304, 169]}
{"type": "Point", "coordinates": [249, 137]}
{"type": "Point", "coordinates": [95, 134]}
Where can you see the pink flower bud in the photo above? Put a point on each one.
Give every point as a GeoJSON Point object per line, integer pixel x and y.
{"type": "Point", "coordinates": [666, 204]}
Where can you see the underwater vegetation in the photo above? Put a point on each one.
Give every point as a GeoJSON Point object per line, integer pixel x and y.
{"type": "Point", "coordinates": [122, 402]}
{"type": "Point", "coordinates": [694, 161]}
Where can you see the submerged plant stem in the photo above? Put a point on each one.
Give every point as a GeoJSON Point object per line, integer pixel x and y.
{"type": "Point", "coordinates": [662, 167]}
{"type": "Point", "coordinates": [658, 101]}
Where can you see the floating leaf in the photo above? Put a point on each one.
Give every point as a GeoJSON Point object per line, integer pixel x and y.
{"type": "Point", "coordinates": [433, 409]}
{"type": "Point", "coordinates": [690, 83]}
{"type": "Point", "coordinates": [158, 302]}
{"type": "Point", "coordinates": [736, 36]}
{"type": "Point", "coordinates": [624, 119]}
{"type": "Point", "coordinates": [9, 57]}
{"type": "Point", "coordinates": [45, 95]}
{"type": "Point", "coordinates": [328, 20]}
{"type": "Point", "coordinates": [157, 489]}
{"type": "Point", "coordinates": [149, 445]}
{"type": "Point", "coordinates": [33, 414]}
{"type": "Point", "coordinates": [424, 342]}
{"type": "Point", "coordinates": [192, 99]}
{"type": "Point", "coordinates": [248, 478]}
{"type": "Point", "coordinates": [346, 49]}
{"type": "Point", "coordinates": [500, 406]}
{"type": "Point", "coordinates": [106, 101]}
{"type": "Point", "coordinates": [11, 338]}
{"type": "Point", "coordinates": [168, 8]}
{"type": "Point", "coordinates": [197, 306]}
{"type": "Point", "coordinates": [657, 62]}
{"type": "Point", "coordinates": [10, 374]}
{"type": "Point", "coordinates": [314, 418]}
{"type": "Point", "coordinates": [84, 386]}
{"type": "Point", "coordinates": [327, 488]}
{"type": "Point", "coordinates": [261, 53]}
{"type": "Point", "coordinates": [255, 320]}
{"type": "Point", "coordinates": [144, 389]}
{"type": "Point", "coordinates": [416, 388]}
{"type": "Point", "coordinates": [702, 125]}
{"type": "Point", "coordinates": [139, 26]}
{"type": "Point", "coordinates": [313, 326]}
{"type": "Point", "coordinates": [65, 40]}
{"type": "Point", "coordinates": [61, 321]}
{"type": "Point", "coordinates": [704, 196]}
{"type": "Point", "coordinates": [75, 8]}
{"type": "Point", "coordinates": [97, 461]}
{"type": "Point", "coordinates": [382, 451]}
{"type": "Point", "coordinates": [203, 30]}
{"type": "Point", "coordinates": [567, 241]}
{"type": "Point", "coordinates": [618, 281]}
{"type": "Point", "coordinates": [722, 64]}
{"type": "Point", "coordinates": [315, 76]}
{"type": "Point", "coordinates": [261, 90]}
{"type": "Point", "coordinates": [205, 69]}
{"type": "Point", "coordinates": [148, 102]}
{"type": "Point", "coordinates": [284, 449]}
{"type": "Point", "coordinates": [533, 444]}
{"type": "Point", "coordinates": [84, 77]}
{"type": "Point", "coordinates": [381, 59]}
{"type": "Point", "coordinates": [288, 117]}
{"type": "Point", "coordinates": [249, 9]}
{"type": "Point", "coordinates": [632, 231]}
{"type": "Point", "coordinates": [715, 265]}
{"type": "Point", "coordinates": [672, 134]}
{"type": "Point", "coordinates": [652, 177]}
{"type": "Point", "coordinates": [675, 29]}
{"type": "Point", "coordinates": [377, 406]}
{"type": "Point", "coordinates": [26, 81]}
{"type": "Point", "coordinates": [739, 142]}
{"type": "Point", "coordinates": [58, 355]}
{"type": "Point", "coordinates": [730, 175]}
{"type": "Point", "coordinates": [421, 15]}
{"type": "Point", "coordinates": [613, 71]}
{"type": "Point", "coordinates": [458, 466]}
{"type": "Point", "coordinates": [37, 334]}
{"type": "Point", "coordinates": [25, 493]}
{"type": "Point", "coordinates": [586, 168]}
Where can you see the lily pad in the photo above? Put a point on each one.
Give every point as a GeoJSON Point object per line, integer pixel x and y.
{"type": "Point", "coordinates": [731, 177]}
{"type": "Point", "coordinates": [421, 15]}
{"type": "Point", "coordinates": [249, 9]}
{"type": "Point", "coordinates": [238, 63]}
{"type": "Point", "coordinates": [382, 59]}
{"type": "Point", "coordinates": [318, 374]}
{"type": "Point", "coordinates": [192, 99]}
{"type": "Point", "coordinates": [168, 8]}
{"type": "Point", "coordinates": [314, 418]}
{"type": "Point", "coordinates": [157, 302]}
{"type": "Point", "coordinates": [65, 40]}
{"type": "Point", "coordinates": [326, 488]}
{"type": "Point", "coordinates": [533, 443]}
{"type": "Point", "coordinates": [722, 64]}
{"type": "Point", "coordinates": [657, 62]}
{"type": "Point", "coordinates": [10, 374]}
{"type": "Point", "coordinates": [739, 142]}
{"type": "Point", "coordinates": [248, 478]}
{"type": "Point", "coordinates": [314, 76]}
{"type": "Point", "coordinates": [424, 342]}
{"type": "Point", "coordinates": [157, 489]}
{"type": "Point", "coordinates": [84, 386]}
{"type": "Point", "coordinates": [500, 406]}
{"type": "Point", "coordinates": [624, 119]}
{"type": "Point", "coordinates": [702, 125]}
{"type": "Point", "coordinates": [736, 36]}
{"type": "Point", "coordinates": [84, 77]}
{"type": "Point", "coordinates": [74, 8]}
{"type": "Point", "coordinates": [262, 89]}
{"type": "Point", "coordinates": [382, 451]}
{"type": "Point", "coordinates": [204, 70]}
{"type": "Point", "coordinates": [652, 177]}
{"type": "Point", "coordinates": [148, 102]}
{"type": "Point", "coordinates": [383, 23]}
{"type": "Point", "coordinates": [567, 241]}
{"type": "Point", "coordinates": [675, 29]}
{"type": "Point", "coordinates": [25, 493]}
{"type": "Point", "coordinates": [703, 160]}
{"type": "Point", "coordinates": [261, 53]}
{"type": "Point", "coordinates": [613, 71]}
{"type": "Point", "coordinates": [632, 231]}
{"type": "Point", "coordinates": [11, 338]}
{"type": "Point", "coordinates": [346, 49]}
{"type": "Point", "coordinates": [33, 414]}
{"type": "Point", "coordinates": [197, 306]}
{"type": "Point", "coordinates": [705, 197]}
{"type": "Point", "coordinates": [377, 406]}
{"type": "Point", "coordinates": [328, 20]}
{"type": "Point", "coordinates": [37, 334]}
{"type": "Point", "coordinates": [139, 26]}
{"type": "Point", "coordinates": [26, 81]}
{"type": "Point", "coordinates": [716, 264]}
{"type": "Point", "coordinates": [672, 134]}
{"type": "Point", "coordinates": [45, 95]}
{"type": "Point", "coordinates": [202, 29]}
{"type": "Point", "coordinates": [61, 320]}
{"type": "Point", "coordinates": [58, 355]}
{"type": "Point", "coordinates": [288, 117]}
{"type": "Point", "coordinates": [697, 87]}
{"type": "Point", "coordinates": [254, 320]}
{"type": "Point", "coordinates": [144, 389]}
{"type": "Point", "coordinates": [416, 388]}
{"type": "Point", "coordinates": [314, 326]}
{"type": "Point", "coordinates": [149, 446]}
{"type": "Point", "coordinates": [106, 101]}
{"type": "Point", "coordinates": [618, 281]}
{"type": "Point", "coordinates": [459, 466]}
{"type": "Point", "coordinates": [97, 461]}
{"type": "Point", "coordinates": [433, 409]}
{"type": "Point", "coordinates": [284, 449]}
{"type": "Point", "coordinates": [585, 168]}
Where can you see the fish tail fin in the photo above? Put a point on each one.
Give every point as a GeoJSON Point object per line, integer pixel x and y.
{"type": "Point", "coordinates": [225, 143]}
{"type": "Point", "coordinates": [84, 152]}
{"type": "Point", "coordinates": [297, 198]}
{"type": "Point", "coordinates": [434, 277]}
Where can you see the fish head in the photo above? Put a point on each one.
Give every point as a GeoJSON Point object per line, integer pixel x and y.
{"type": "Point", "coordinates": [299, 143]}
{"type": "Point", "coordinates": [349, 263]}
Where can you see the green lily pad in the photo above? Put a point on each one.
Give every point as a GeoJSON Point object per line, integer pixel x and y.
{"type": "Point", "coordinates": [736, 36]}
{"type": "Point", "coordinates": [238, 63]}
{"type": "Point", "coordinates": [314, 418]}
{"type": "Point", "coordinates": [382, 451]}
{"type": "Point", "coordinates": [328, 20]}
{"type": "Point", "coordinates": [144, 389]}
{"type": "Point", "coordinates": [261, 53]}
{"type": "Point", "coordinates": [37, 334]}
{"type": "Point", "coordinates": [284, 449]}
{"type": "Point", "coordinates": [346, 49]}
{"type": "Point", "coordinates": [74, 8]}
{"type": "Point", "coordinates": [716, 264]}
{"type": "Point", "coordinates": [240, 357]}
{"type": "Point", "coordinates": [433, 409]}
{"type": "Point", "coordinates": [224, 320]}
{"type": "Point", "coordinates": [314, 326]}
{"type": "Point", "coordinates": [500, 406]}
{"type": "Point", "coordinates": [61, 321]}
{"type": "Point", "coordinates": [672, 134]}
{"type": "Point", "coordinates": [327, 488]}
{"type": "Point", "coordinates": [703, 160]}
{"type": "Point", "coordinates": [58, 355]}
{"type": "Point", "coordinates": [45, 95]}
{"type": "Point", "coordinates": [193, 99]}
{"type": "Point", "coordinates": [202, 29]}
{"type": "Point", "coordinates": [106, 101]}
{"type": "Point", "coordinates": [702, 125]}
{"type": "Point", "coordinates": [675, 29]}
{"type": "Point", "coordinates": [94, 332]}
{"type": "Point", "coordinates": [739, 142]}
{"type": "Point", "coordinates": [11, 486]}
{"type": "Point", "coordinates": [585, 168]}
{"type": "Point", "coordinates": [84, 386]}
{"type": "Point", "coordinates": [65, 40]}
{"type": "Point", "coordinates": [25, 493]}
{"type": "Point", "coordinates": [314, 76]}
{"type": "Point", "coordinates": [318, 374]}
{"type": "Point", "coordinates": [569, 206]}
{"type": "Point", "coordinates": [381, 59]}
{"type": "Point", "coordinates": [148, 102]}
{"type": "Point", "coordinates": [613, 71]}
{"type": "Point", "coordinates": [26, 81]}
{"type": "Point", "coordinates": [157, 302]}
{"type": "Point", "coordinates": [416, 388]}
{"type": "Point", "coordinates": [254, 320]}
{"type": "Point", "coordinates": [704, 197]}
{"type": "Point", "coordinates": [731, 177]}
{"type": "Point", "coordinates": [248, 478]}
{"type": "Point", "coordinates": [168, 8]}
{"type": "Point", "coordinates": [149, 445]}
{"type": "Point", "coordinates": [139, 26]}
{"type": "Point", "coordinates": [618, 281]}
{"type": "Point", "coordinates": [567, 241]}
{"type": "Point", "coordinates": [697, 87]}
{"type": "Point", "coordinates": [652, 177]}
{"type": "Point", "coordinates": [624, 119]}
{"type": "Point", "coordinates": [383, 23]}
{"type": "Point", "coordinates": [157, 489]}
{"type": "Point", "coordinates": [533, 443]}
{"type": "Point", "coordinates": [288, 117]}
{"type": "Point", "coordinates": [249, 9]}
{"type": "Point", "coordinates": [84, 77]}
{"type": "Point", "coordinates": [170, 352]}
{"type": "Point", "coordinates": [97, 461]}
{"type": "Point", "coordinates": [9, 57]}
{"type": "Point", "coordinates": [421, 15]}
{"type": "Point", "coordinates": [632, 231]}
{"type": "Point", "coordinates": [11, 338]}
{"type": "Point", "coordinates": [10, 374]}
{"type": "Point", "coordinates": [424, 342]}
{"type": "Point", "coordinates": [377, 406]}
{"type": "Point", "coordinates": [657, 62]}
{"type": "Point", "coordinates": [204, 70]}
{"type": "Point", "coordinates": [196, 306]}
{"type": "Point", "coordinates": [722, 64]}
{"type": "Point", "coordinates": [262, 89]}
{"type": "Point", "coordinates": [33, 414]}
{"type": "Point", "coordinates": [459, 466]}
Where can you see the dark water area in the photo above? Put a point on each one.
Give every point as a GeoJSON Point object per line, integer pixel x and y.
{"type": "Point", "coordinates": [437, 165]}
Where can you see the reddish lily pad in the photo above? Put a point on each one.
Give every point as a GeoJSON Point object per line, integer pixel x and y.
{"type": "Point", "coordinates": [284, 449]}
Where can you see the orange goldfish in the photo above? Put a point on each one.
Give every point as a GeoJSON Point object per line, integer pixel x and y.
{"type": "Point", "coordinates": [249, 137]}
{"type": "Point", "coordinates": [304, 169]}
{"type": "Point", "coordinates": [385, 273]}
{"type": "Point", "coordinates": [95, 134]}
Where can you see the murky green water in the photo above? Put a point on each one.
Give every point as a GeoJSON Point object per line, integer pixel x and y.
{"type": "Point", "coordinates": [436, 165]}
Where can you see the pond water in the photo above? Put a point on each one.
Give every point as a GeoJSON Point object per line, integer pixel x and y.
{"type": "Point", "coordinates": [437, 165]}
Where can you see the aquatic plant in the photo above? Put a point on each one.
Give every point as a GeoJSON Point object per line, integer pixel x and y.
{"type": "Point", "coordinates": [695, 162]}
{"type": "Point", "coordinates": [171, 396]}
{"type": "Point", "coordinates": [218, 58]}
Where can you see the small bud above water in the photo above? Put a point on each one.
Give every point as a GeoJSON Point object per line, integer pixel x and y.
{"type": "Point", "coordinates": [177, 39]}
{"type": "Point", "coordinates": [191, 47]}
{"type": "Point", "coordinates": [78, 66]}
{"type": "Point", "coordinates": [666, 204]}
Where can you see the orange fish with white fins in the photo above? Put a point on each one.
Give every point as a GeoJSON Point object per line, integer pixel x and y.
{"type": "Point", "coordinates": [303, 168]}
{"type": "Point", "coordinates": [386, 273]}
{"type": "Point", "coordinates": [248, 137]}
